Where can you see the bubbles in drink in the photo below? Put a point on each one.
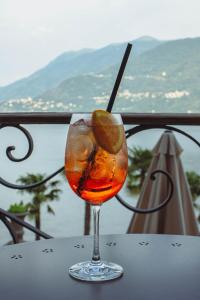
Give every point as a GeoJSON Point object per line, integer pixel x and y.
{"type": "Point", "coordinates": [81, 126]}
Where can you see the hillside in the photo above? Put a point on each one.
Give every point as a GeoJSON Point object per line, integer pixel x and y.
{"type": "Point", "coordinates": [165, 78]}
{"type": "Point", "coordinates": [72, 64]}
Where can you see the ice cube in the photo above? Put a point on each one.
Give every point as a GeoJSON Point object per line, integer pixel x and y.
{"type": "Point", "coordinates": [81, 146]}
{"type": "Point", "coordinates": [81, 126]}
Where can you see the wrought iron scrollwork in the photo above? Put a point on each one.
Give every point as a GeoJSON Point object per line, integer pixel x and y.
{"type": "Point", "coordinates": [12, 148]}
{"type": "Point", "coordinates": [154, 209]}
{"type": "Point", "coordinates": [130, 132]}
{"type": "Point", "coordinates": [30, 186]}
{"type": "Point", "coordinates": [27, 155]}
{"type": "Point", "coordinates": [139, 128]}
{"type": "Point", "coordinates": [4, 215]}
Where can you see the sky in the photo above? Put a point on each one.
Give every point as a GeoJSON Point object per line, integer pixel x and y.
{"type": "Point", "coordinates": [33, 32]}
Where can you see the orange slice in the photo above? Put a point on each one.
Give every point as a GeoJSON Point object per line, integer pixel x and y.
{"type": "Point", "coordinates": [108, 133]}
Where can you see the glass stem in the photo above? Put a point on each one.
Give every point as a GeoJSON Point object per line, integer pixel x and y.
{"type": "Point", "coordinates": [96, 254]}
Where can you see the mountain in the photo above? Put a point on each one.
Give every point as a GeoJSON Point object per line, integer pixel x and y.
{"type": "Point", "coordinates": [164, 78]}
{"type": "Point", "coordinates": [71, 64]}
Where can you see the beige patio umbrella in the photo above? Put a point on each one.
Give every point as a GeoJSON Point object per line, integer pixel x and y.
{"type": "Point", "coordinates": [178, 216]}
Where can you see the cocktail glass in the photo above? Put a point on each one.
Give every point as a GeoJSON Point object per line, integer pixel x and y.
{"type": "Point", "coordinates": [95, 172]}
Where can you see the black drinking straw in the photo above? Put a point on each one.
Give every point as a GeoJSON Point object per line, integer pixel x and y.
{"type": "Point", "coordinates": [119, 77]}
{"type": "Point", "coordinates": [91, 158]}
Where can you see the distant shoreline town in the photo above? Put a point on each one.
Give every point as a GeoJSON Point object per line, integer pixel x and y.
{"type": "Point", "coordinates": [161, 76]}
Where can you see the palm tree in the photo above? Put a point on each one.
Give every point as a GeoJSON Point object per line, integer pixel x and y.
{"type": "Point", "coordinates": [139, 160]}
{"type": "Point", "coordinates": [44, 193]}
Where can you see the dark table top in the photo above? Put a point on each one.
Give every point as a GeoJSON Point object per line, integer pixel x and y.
{"type": "Point", "coordinates": [159, 267]}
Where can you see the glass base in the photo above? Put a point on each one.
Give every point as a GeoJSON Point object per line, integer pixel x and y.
{"type": "Point", "coordinates": [103, 271]}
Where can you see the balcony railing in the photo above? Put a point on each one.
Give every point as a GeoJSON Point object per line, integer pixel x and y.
{"type": "Point", "coordinates": [139, 122]}
{"type": "Point", "coordinates": [128, 118]}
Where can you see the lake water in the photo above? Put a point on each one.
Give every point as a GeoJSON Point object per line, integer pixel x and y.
{"type": "Point", "coordinates": [48, 156]}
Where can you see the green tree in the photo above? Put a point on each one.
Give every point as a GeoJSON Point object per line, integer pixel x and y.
{"type": "Point", "coordinates": [194, 182]}
{"type": "Point", "coordinates": [139, 160]}
{"type": "Point", "coordinates": [44, 193]}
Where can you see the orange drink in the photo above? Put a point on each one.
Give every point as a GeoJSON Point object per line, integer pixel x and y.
{"type": "Point", "coordinates": [93, 172]}
{"type": "Point", "coordinates": [96, 162]}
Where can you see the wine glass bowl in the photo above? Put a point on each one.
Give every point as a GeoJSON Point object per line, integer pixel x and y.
{"type": "Point", "coordinates": [96, 162]}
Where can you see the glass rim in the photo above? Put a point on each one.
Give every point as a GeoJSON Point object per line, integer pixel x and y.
{"type": "Point", "coordinates": [87, 115]}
